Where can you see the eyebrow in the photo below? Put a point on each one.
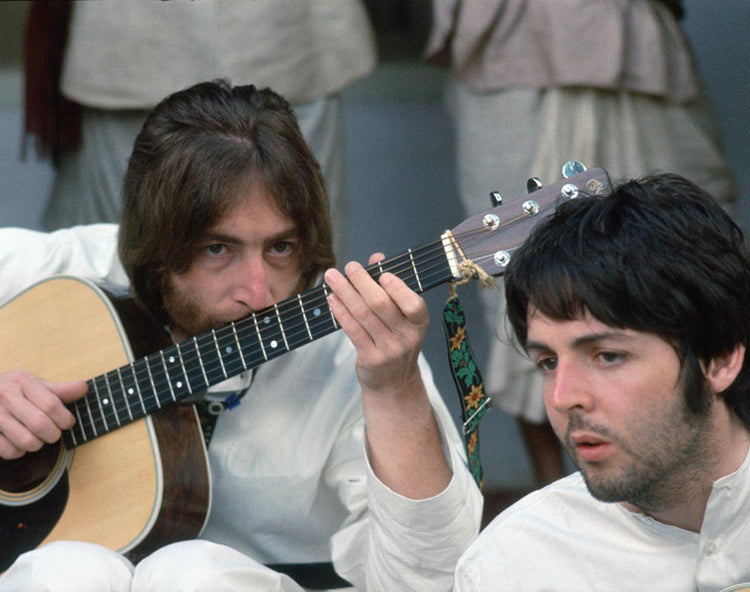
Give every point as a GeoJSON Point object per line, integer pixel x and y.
{"type": "Point", "coordinates": [221, 237]}
{"type": "Point", "coordinates": [582, 340]}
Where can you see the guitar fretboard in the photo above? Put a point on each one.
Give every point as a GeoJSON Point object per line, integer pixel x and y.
{"type": "Point", "coordinates": [144, 386]}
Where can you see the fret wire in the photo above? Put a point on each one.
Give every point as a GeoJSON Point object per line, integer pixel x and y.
{"type": "Point", "coordinates": [143, 385]}
{"type": "Point", "coordinates": [88, 412]}
{"type": "Point", "coordinates": [200, 359]}
{"type": "Point", "coordinates": [113, 404]}
{"type": "Point", "coordinates": [151, 381]}
{"type": "Point", "coordinates": [218, 352]}
{"type": "Point", "coordinates": [98, 398]}
{"type": "Point", "coordinates": [281, 326]}
{"type": "Point", "coordinates": [333, 318]}
{"type": "Point", "coordinates": [129, 395]}
{"type": "Point", "coordinates": [208, 355]}
{"type": "Point", "coordinates": [239, 347]}
{"type": "Point", "coordinates": [111, 395]}
{"type": "Point", "coordinates": [182, 365]}
{"type": "Point", "coordinates": [138, 388]}
{"type": "Point", "coordinates": [167, 376]}
{"type": "Point", "coordinates": [97, 423]}
{"type": "Point", "coordinates": [414, 267]}
{"type": "Point", "coordinates": [79, 420]}
{"type": "Point", "coordinates": [304, 316]}
{"type": "Point", "coordinates": [260, 338]}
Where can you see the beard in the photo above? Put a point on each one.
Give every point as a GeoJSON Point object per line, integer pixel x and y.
{"type": "Point", "coordinates": [187, 317]}
{"type": "Point", "coordinates": [669, 459]}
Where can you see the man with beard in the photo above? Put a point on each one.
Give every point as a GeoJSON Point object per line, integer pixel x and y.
{"type": "Point", "coordinates": [634, 307]}
{"type": "Point", "coordinates": [340, 453]}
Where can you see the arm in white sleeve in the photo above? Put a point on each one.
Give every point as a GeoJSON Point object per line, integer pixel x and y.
{"type": "Point", "coordinates": [396, 543]}
{"type": "Point", "coordinates": [28, 256]}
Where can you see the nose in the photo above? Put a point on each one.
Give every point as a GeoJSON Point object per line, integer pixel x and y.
{"type": "Point", "coordinates": [251, 287]}
{"type": "Point", "coordinates": [568, 388]}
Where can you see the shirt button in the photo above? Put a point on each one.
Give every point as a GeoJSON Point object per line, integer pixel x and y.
{"type": "Point", "coordinates": [710, 548]}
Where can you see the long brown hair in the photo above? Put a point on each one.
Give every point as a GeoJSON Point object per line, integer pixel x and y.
{"type": "Point", "coordinates": [198, 148]}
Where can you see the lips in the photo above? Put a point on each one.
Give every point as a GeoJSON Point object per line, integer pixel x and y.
{"type": "Point", "coordinates": [590, 447]}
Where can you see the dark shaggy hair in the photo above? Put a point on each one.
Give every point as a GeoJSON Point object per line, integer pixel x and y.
{"type": "Point", "coordinates": [658, 255]}
{"type": "Point", "coordinates": [196, 152]}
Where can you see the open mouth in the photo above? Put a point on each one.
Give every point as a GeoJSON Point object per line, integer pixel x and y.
{"type": "Point", "coordinates": [591, 448]}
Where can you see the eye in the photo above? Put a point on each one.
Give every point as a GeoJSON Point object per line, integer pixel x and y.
{"type": "Point", "coordinates": [216, 249]}
{"type": "Point", "coordinates": [610, 357]}
{"type": "Point", "coordinates": [281, 248]}
{"type": "Point", "coordinates": [547, 364]}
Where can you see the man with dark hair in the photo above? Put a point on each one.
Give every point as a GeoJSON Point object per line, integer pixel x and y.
{"type": "Point", "coordinates": [340, 453]}
{"type": "Point", "coordinates": [634, 307]}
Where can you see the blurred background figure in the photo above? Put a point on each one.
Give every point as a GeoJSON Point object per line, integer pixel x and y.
{"type": "Point", "coordinates": [535, 83]}
{"type": "Point", "coordinates": [94, 69]}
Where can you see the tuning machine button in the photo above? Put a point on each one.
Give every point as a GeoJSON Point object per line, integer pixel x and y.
{"type": "Point", "coordinates": [501, 259]}
{"type": "Point", "coordinates": [571, 168]}
{"type": "Point", "coordinates": [491, 221]}
{"type": "Point", "coordinates": [533, 184]}
{"type": "Point", "coordinates": [569, 190]}
{"type": "Point", "coordinates": [530, 207]}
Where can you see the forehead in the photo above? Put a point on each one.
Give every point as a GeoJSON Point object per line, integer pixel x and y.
{"type": "Point", "coordinates": [253, 213]}
{"type": "Point", "coordinates": [545, 333]}
{"type": "Point", "coordinates": [544, 330]}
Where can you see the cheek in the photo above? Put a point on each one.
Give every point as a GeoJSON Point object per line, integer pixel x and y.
{"type": "Point", "coordinates": [558, 420]}
{"type": "Point", "coordinates": [284, 284]}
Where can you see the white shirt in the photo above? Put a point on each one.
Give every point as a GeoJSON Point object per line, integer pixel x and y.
{"type": "Point", "coordinates": [291, 480]}
{"type": "Point", "coordinates": [560, 538]}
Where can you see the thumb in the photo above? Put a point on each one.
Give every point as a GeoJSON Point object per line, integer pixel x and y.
{"type": "Point", "coordinates": [68, 391]}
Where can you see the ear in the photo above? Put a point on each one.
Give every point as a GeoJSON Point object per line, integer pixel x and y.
{"type": "Point", "coordinates": [722, 370]}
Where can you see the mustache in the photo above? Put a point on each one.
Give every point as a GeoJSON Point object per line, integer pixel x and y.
{"type": "Point", "coordinates": [577, 423]}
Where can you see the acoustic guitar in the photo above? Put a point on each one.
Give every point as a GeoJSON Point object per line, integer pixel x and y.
{"type": "Point", "coordinates": [132, 473]}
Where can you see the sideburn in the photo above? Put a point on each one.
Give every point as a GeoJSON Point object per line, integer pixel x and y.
{"type": "Point", "coordinates": [695, 388]}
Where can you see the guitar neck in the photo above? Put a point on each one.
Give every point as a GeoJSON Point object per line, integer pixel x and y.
{"type": "Point", "coordinates": [173, 374]}
{"type": "Point", "coordinates": [176, 372]}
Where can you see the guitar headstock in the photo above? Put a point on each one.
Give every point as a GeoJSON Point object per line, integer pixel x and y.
{"type": "Point", "coordinates": [489, 238]}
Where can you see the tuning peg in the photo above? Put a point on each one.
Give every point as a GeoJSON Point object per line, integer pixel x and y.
{"type": "Point", "coordinates": [572, 167]}
{"type": "Point", "coordinates": [533, 184]}
{"type": "Point", "coordinates": [495, 198]}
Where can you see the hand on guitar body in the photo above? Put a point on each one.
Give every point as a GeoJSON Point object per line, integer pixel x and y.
{"type": "Point", "coordinates": [387, 322]}
{"type": "Point", "coordinates": [33, 412]}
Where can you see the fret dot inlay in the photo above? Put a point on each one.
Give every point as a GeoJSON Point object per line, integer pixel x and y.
{"type": "Point", "coordinates": [171, 359]}
{"type": "Point", "coordinates": [229, 349]}
{"type": "Point", "coordinates": [105, 401]}
{"type": "Point", "coordinates": [179, 384]}
{"type": "Point", "coordinates": [130, 391]}
{"type": "Point", "coordinates": [266, 320]}
{"type": "Point", "coordinates": [274, 343]}
{"type": "Point", "coordinates": [316, 312]}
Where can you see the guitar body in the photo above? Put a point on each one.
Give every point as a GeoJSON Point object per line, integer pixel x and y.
{"type": "Point", "coordinates": [133, 489]}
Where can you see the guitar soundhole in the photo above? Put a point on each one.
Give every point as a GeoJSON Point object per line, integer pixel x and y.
{"type": "Point", "coordinates": [27, 472]}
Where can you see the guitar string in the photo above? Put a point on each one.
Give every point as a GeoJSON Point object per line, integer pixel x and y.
{"type": "Point", "coordinates": [114, 412]}
{"type": "Point", "coordinates": [117, 397]}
